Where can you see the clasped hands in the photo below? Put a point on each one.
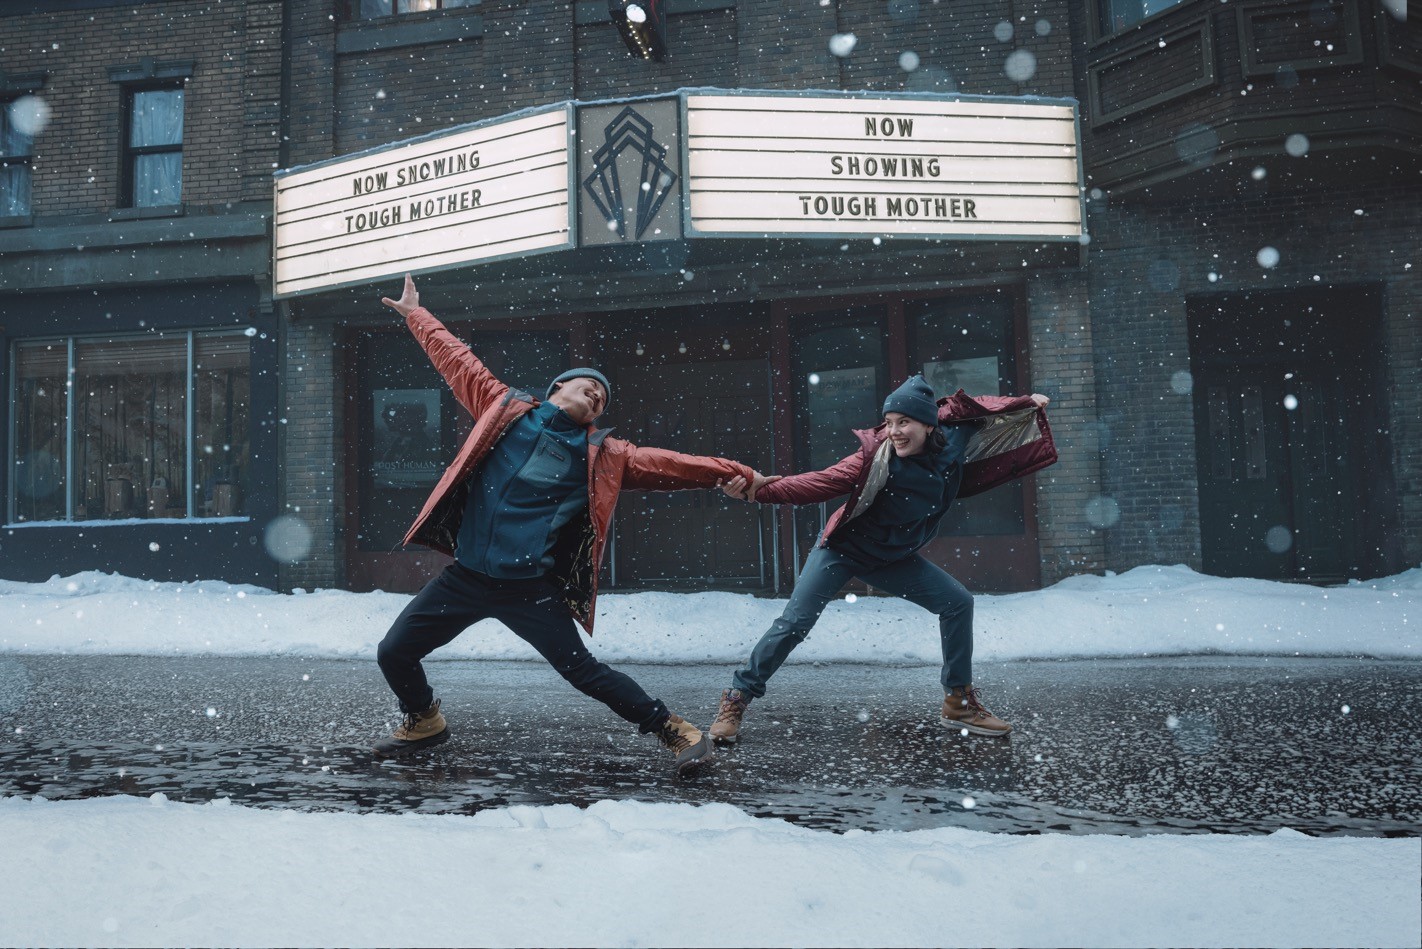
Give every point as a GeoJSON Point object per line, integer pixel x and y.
{"type": "Point", "coordinates": [739, 489]}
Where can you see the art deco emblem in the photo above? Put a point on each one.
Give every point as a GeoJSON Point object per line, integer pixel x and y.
{"type": "Point", "coordinates": [629, 139]}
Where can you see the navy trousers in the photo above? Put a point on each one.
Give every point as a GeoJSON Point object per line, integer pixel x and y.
{"type": "Point", "coordinates": [459, 597]}
{"type": "Point", "coordinates": [912, 578]}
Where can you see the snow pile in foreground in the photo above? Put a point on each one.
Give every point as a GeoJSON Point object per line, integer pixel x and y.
{"type": "Point", "coordinates": [1146, 611]}
{"type": "Point", "coordinates": [150, 872]}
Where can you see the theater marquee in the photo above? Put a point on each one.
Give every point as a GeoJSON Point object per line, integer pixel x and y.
{"type": "Point", "coordinates": [478, 193]}
{"type": "Point", "coordinates": [690, 164]}
{"type": "Point", "coordinates": [825, 166]}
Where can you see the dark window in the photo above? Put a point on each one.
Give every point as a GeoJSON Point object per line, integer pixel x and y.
{"type": "Point", "coordinates": [151, 427]}
{"type": "Point", "coordinates": [16, 155]}
{"type": "Point", "coordinates": [840, 379]}
{"type": "Point", "coordinates": [153, 153]}
{"type": "Point", "coordinates": [1119, 14]}
{"type": "Point", "coordinates": [371, 9]}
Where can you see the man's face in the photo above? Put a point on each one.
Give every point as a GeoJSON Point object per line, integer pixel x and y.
{"type": "Point", "coordinates": [583, 399]}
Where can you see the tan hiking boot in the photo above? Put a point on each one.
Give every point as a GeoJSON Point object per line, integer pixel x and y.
{"type": "Point", "coordinates": [963, 710]}
{"type": "Point", "coordinates": [419, 730]}
{"type": "Point", "coordinates": [727, 726]}
{"type": "Point", "coordinates": [692, 749]}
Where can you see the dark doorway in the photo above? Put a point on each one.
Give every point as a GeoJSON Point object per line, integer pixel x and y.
{"type": "Point", "coordinates": [700, 390]}
{"type": "Point", "coordinates": [1291, 440]}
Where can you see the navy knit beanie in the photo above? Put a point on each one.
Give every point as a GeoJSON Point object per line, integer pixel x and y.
{"type": "Point", "coordinates": [583, 373]}
{"type": "Point", "coordinates": [915, 399]}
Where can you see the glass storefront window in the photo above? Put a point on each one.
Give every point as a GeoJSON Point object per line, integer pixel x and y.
{"type": "Point", "coordinates": [968, 343]}
{"type": "Point", "coordinates": [222, 390]}
{"type": "Point", "coordinates": [137, 449]}
{"type": "Point", "coordinates": [840, 375]}
{"type": "Point", "coordinates": [130, 413]}
{"type": "Point", "coordinates": [39, 408]}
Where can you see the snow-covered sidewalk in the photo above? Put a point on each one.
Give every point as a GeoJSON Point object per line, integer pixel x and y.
{"type": "Point", "coordinates": [151, 872]}
{"type": "Point", "coordinates": [127, 871]}
{"type": "Point", "coordinates": [1146, 611]}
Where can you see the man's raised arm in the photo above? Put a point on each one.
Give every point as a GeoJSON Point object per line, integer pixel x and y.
{"type": "Point", "coordinates": [473, 384]}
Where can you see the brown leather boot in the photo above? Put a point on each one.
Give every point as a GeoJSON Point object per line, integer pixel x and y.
{"type": "Point", "coordinates": [727, 726]}
{"type": "Point", "coordinates": [963, 710]}
{"type": "Point", "coordinates": [419, 730]}
{"type": "Point", "coordinates": [692, 749]}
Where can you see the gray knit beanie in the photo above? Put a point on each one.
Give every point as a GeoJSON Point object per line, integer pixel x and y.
{"type": "Point", "coordinates": [915, 399]}
{"type": "Point", "coordinates": [583, 373]}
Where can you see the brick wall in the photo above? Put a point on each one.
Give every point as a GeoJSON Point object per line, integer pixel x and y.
{"type": "Point", "coordinates": [1069, 492]}
{"type": "Point", "coordinates": [312, 479]}
{"type": "Point", "coordinates": [230, 110]}
{"type": "Point", "coordinates": [1144, 263]}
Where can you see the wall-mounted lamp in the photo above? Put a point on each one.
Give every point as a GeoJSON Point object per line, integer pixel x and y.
{"type": "Point", "coordinates": [642, 25]}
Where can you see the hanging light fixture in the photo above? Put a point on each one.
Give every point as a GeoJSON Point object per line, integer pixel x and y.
{"type": "Point", "coordinates": [642, 25]}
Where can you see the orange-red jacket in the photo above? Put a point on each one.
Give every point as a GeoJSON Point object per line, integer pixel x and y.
{"type": "Point", "coordinates": [612, 465]}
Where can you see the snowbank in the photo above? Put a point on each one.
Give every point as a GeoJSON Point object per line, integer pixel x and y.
{"type": "Point", "coordinates": [624, 873]}
{"type": "Point", "coordinates": [1146, 611]}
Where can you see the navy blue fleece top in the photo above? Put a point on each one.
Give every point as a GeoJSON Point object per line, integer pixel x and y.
{"type": "Point", "coordinates": [532, 483]}
{"type": "Point", "coordinates": [905, 513]}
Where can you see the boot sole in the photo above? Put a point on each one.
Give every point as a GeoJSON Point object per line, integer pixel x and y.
{"type": "Point", "coordinates": [409, 747]}
{"type": "Point", "coordinates": [951, 725]}
{"type": "Point", "coordinates": [725, 739]}
{"type": "Point", "coordinates": [694, 758]}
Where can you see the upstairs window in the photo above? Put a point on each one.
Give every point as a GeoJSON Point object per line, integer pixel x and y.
{"type": "Point", "coordinates": [1117, 15]}
{"type": "Point", "coordinates": [153, 152]}
{"type": "Point", "coordinates": [372, 9]}
{"type": "Point", "coordinates": [16, 157]}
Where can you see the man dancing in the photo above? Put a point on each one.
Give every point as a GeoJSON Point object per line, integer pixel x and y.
{"type": "Point", "coordinates": [524, 509]}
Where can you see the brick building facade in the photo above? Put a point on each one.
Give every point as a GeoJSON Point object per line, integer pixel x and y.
{"type": "Point", "coordinates": [140, 339]}
{"type": "Point", "coordinates": [1215, 239]}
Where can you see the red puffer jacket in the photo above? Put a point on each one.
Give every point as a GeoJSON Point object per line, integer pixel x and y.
{"type": "Point", "coordinates": [1012, 440]}
{"type": "Point", "coordinates": [613, 464]}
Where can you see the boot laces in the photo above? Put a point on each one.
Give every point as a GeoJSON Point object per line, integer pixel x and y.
{"type": "Point", "coordinates": [732, 709]}
{"type": "Point", "coordinates": [973, 699]}
{"type": "Point", "coordinates": [672, 737]}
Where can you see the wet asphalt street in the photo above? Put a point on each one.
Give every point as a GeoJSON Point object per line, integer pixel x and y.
{"type": "Point", "coordinates": [1116, 746]}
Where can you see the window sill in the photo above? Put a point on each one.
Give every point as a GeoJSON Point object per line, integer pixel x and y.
{"type": "Point", "coordinates": [18, 220]}
{"type": "Point", "coordinates": [587, 12]}
{"type": "Point", "coordinates": [129, 522]}
{"type": "Point", "coordinates": [138, 214]}
{"type": "Point", "coordinates": [392, 32]}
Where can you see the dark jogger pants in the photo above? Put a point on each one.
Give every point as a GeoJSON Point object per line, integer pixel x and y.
{"type": "Point", "coordinates": [460, 597]}
{"type": "Point", "coordinates": [912, 578]}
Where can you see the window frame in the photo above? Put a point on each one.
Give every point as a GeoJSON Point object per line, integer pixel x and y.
{"type": "Point", "coordinates": [1100, 11]}
{"type": "Point", "coordinates": [71, 343]}
{"type": "Point", "coordinates": [350, 11]}
{"type": "Point", "coordinates": [128, 163]}
{"type": "Point", "coordinates": [25, 160]}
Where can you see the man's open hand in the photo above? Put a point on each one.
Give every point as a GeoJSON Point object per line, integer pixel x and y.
{"type": "Point", "coordinates": [409, 300]}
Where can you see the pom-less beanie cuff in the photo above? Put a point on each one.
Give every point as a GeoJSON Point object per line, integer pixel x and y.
{"type": "Point", "coordinates": [915, 399]}
{"type": "Point", "coordinates": [583, 373]}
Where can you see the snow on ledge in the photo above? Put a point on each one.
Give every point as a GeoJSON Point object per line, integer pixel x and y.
{"type": "Point", "coordinates": [1147, 611]}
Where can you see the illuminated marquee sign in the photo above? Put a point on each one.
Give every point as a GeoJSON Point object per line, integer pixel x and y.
{"type": "Point", "coordinates": [813, 166]}
{"type": "Point", "coordinates": [478, 193]}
